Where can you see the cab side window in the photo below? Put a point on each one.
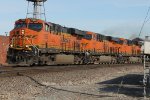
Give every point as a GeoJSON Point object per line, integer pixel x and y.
{"type": "Point", "coordinates": [51, 28]}
{"type": "Point", "coordinates": [47, 28]}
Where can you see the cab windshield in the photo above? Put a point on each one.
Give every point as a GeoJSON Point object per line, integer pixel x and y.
{"type": "Point", "coordinates": [35, 26]}
{"type": "Point", "coordinates": [20, 25]}
{"type": "Point", "coordinates": [32, 26]}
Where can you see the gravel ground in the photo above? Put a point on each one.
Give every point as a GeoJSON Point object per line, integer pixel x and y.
{"type": "Point", "coordinates": [101, 83]}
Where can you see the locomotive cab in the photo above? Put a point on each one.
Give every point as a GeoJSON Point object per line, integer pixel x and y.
{"type": "Point", "coordinates": [24, 39]}
{"type": "Point", "coordinates": [25, 33]}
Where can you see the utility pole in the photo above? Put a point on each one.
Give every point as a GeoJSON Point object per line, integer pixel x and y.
{"type": "Point", "coordinates": [146, 79]}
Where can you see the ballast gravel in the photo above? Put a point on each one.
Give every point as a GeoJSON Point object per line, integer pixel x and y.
{"type": "Point", "coordinates": [84, 84]}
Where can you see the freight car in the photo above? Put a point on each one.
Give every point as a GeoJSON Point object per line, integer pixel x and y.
{"type": "Point", "coordinates": [34, 41]}
{"type": "Point", "coordinates": [37, 42]}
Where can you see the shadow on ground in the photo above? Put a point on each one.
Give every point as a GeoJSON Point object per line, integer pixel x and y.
{"type": "Point", "coordinates": [131, 85]}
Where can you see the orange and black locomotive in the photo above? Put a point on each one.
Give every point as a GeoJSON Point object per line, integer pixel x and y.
{"type": "Point", "coordinates": [35, 41]}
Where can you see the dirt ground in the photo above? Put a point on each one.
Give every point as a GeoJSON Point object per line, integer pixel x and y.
{"type": "Point", "coordinates": [101, 83]}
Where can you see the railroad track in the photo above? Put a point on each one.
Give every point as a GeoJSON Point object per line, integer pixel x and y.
{"type": "Point", "coordinates": [14, 71]}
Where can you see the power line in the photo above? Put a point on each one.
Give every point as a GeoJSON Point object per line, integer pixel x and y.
{"type": "Point", "coordinates": [145, 21]}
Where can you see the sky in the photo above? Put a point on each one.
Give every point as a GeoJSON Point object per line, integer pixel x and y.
{"type": "Point", "coordinates": [118, 18]}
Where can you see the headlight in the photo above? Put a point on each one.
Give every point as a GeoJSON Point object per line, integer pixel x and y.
{"type": "Point", "coordinates": [23, 31]}
{"type": "Point", "coordinates": [27, 46]}
{"type": "Point", "coordinates": [11, 45]}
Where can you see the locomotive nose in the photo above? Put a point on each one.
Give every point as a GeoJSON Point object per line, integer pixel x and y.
{"type": "Point", "coordinates": [17, 40]}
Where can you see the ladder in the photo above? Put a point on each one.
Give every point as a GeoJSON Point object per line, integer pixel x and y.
{"type": "Point", "coordinates": [146, 79]}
